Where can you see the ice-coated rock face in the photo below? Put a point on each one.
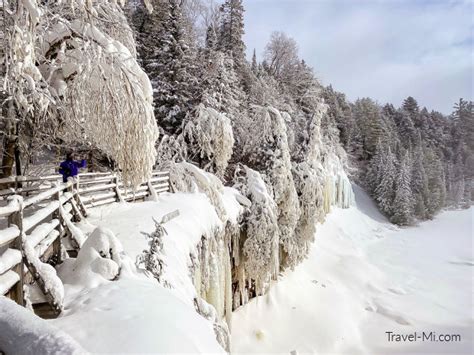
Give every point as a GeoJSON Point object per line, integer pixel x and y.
{"type": "Point", "coordinates": [237, 261]}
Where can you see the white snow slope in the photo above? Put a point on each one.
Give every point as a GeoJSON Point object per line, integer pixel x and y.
{"type": "Point", "coordinates": [135, 314]}
{"type": "Point", "coordinates": [363, 278]}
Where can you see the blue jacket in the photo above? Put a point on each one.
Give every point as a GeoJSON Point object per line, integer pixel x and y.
{"type": "Point", "coordinates": [70, 168]}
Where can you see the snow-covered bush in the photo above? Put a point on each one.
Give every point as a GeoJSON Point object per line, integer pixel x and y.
{"type": "Point", "coordinates": [152, 258]}
{"type": "Point", "coordinates": [261, 246]}
{"type": "Point", "coordinates": [210, 137]}
{"type": "Point", "coordinates": [99, 259]}
{"type": "Point", "coordinates": [187, 177]}
{"type": "Point", "coordinates": [268, 152]}
{"type": "Point", "coordinates": [171, 149]}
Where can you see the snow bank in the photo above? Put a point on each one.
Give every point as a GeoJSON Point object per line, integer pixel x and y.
{"type": "Point", "coordinates": [136, 316]}
{"type": "Point", "coordinates": [22, 332]}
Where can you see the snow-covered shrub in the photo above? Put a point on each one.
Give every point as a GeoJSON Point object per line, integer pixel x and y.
{"type": "Point", "coordinates": [261, 246]}
{"type": "Point", "coordinates": [309, 187]}
{"type": "Point", "coordinates": [171, 149]}
{"type": "Point", "coordinates": [152, 258]}
{"type": "Point", "coordinates": [268, 152]}
{"type": "Point", "coordinates": [99, 259]}
{"type": "Point", "coordinates": [187, 177]}
{"type": "Point", "coordinates": [210, 138]}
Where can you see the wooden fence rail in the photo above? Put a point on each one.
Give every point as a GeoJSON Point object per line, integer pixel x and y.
{"type": "Point", "coordinates": [40, 211]}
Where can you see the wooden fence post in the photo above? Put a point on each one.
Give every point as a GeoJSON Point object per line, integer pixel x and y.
{"type": "Point", "coordinates": [16, 218]}
{"type": "Point", "coordinates": [152, 191]}
{"type": "Point", "coordinates": [78, 199]}
{"type": "Point", "coordinates": [170, 186]}
{"type": "Point", "coordinates": [117, 190]}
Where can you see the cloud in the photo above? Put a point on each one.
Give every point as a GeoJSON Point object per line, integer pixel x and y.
{"type": "Point", "coordinates": [386, 50]}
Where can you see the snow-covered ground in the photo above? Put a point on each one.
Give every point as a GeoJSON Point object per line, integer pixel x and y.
{"type": "Point", "coordinates": [363, 278]}
{"type": "Point", "coordinates": [135, 314]}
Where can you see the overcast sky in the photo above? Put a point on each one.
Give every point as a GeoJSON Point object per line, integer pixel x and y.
{"type": "Point", "coordinates": [383, 49]}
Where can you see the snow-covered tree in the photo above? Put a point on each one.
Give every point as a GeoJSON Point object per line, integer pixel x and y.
{"type": "Point", "coordinates": [269, 153]}
{"type": "Point", "coordinates": [254, 65]}
{"type": "Point", "coordinates": [436, 183]}
{"type": "Point", "coordinates": [419, 183]}
{"type": "Point", "coordinates": [368, 118]}
{"type": "Point", "coordinates": [261, 246]}
{"type": "Point", "coordinates": [403, 204]}
{"type": "Point", "coordinates": [231, 31]}
{"type": "Point", "coordinates": [80, 81]}
{"type": "Point", "coordinates": [385, 190]}
{"type": "Point", "coordinates": [281, 56]}
{"type": "Point", "coordinates": [210, 139]}
{"type": "Point", "coordinates": [173, 79]}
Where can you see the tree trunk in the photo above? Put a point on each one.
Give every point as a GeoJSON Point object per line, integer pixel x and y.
{"type": "Point", "coordinates": [8, 156]}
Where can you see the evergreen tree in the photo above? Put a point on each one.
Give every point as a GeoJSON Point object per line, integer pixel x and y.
{"type": "Point", "coordinates": [375, 170]}
{"type": "Point", "coordinates": [410, 106]}
{"type": "Point", "coordinates": [368, 118]}
{"type": "Point", "coordinates": [406, 128]}
{"type": "Point", "coordinates": [175, 84]}
{"type": "Point", "coordinates": [436, 183]}
{"type": "Point", "coordinates": [211, 38]}
{"type": "Point", "coordinates": [168, 60]}
{"type": "Point", "coordinates": [402, 204]}
{"type": "Point", "coordinates": [254, 66]}
{"type": "Point", "coordinates": [231, 30]}
{"type": "Point", "coordinates": [419, 183]}
{"type": "Point", "coordinates": [385, 191]}
{"type": "Point", "coordinates": [458, 183]}
{"type": "Point", "coordinates": [463, 117]}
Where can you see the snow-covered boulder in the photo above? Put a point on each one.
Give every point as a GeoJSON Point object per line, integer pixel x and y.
{"type": "Point", "coordinates": [99, 259]}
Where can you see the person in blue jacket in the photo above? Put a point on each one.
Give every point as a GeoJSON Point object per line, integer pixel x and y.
{"type": "Point", "coordinates": [70, 167]}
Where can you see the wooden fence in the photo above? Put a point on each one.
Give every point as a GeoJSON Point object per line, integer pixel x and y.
{"type": "Point", "coordinates": [41, 211]}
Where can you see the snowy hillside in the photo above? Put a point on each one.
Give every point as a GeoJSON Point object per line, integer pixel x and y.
{"type": "Point", "coordinates": [362, 278]}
